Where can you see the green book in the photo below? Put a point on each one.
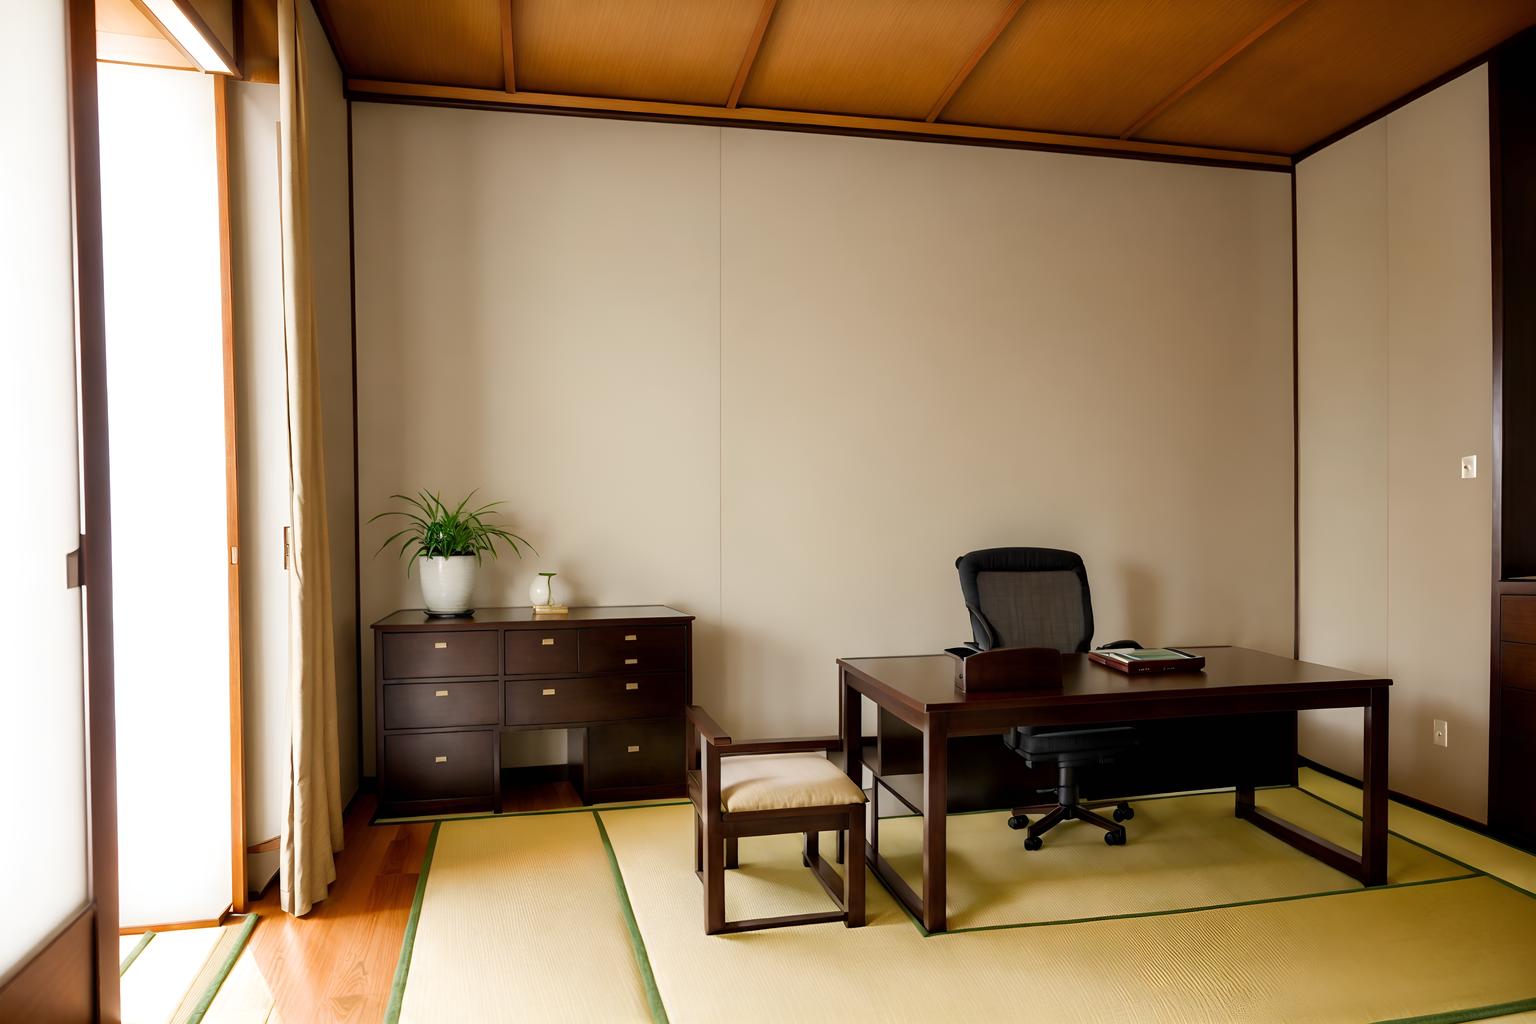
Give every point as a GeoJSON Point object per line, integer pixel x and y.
{"type": "Point", "coordinates": [1149, 654]}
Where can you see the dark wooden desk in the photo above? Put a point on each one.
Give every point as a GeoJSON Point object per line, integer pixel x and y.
{"type": "Point", "coordinates": [920, 691]}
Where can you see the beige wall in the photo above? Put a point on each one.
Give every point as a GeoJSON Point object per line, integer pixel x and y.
{"type": "Point", "coordinates": [1395, 386]}
{"type": "Point", "coordinates": [1341, 241]}
{"type": "Point", "coordinates": [782, 381]}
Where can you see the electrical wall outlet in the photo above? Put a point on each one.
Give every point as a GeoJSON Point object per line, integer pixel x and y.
{"type": "Point", "coordinates": [1442, 733]}
{"type": "Point", "coordinates": [1468, 467]}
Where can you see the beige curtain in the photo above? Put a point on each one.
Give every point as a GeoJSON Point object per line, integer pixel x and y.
{"type": "Point", "coordinates": [312, 828]}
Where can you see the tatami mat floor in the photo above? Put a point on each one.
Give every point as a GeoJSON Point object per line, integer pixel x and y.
{"type": "Point", "coordinates": [177, 977]}
{"type": "Point", "coordinates": [595, 914]}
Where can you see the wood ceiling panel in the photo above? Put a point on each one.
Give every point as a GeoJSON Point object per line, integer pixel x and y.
{"type": "Point", "coordinates": [1332, 63]}
{"type": "Point", "coordinates": [868, 57]}
{"type": "Point", "coordinates": [1095, 66]}
{"type": "Point", "coordinates": [682, 51]}
{"type": "Point", "coordinates": [448, 42]}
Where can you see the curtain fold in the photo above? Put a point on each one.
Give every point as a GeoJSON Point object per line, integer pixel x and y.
{"type": "Point", "coordinates": [312, 832]}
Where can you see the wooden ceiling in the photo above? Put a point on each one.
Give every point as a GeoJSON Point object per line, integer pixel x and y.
{"type": "Point", "coordinates": [1251, 82]}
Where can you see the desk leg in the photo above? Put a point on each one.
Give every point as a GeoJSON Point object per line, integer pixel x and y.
{"type": "Point", "coordinates": [851, 726]}
{"type": "Point", "coordinates": [1244, 789]}
{"type": "Point", "coordinates": [1373, 839]}
{"type": "Point", "coordinates": [935, 824]}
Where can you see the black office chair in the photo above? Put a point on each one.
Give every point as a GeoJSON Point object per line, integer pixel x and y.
{"type": "Point", "coordinates": [1038, 597]}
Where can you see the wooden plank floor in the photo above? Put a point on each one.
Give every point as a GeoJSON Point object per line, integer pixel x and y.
{"type": "Point", "coordinates": [337, 962]}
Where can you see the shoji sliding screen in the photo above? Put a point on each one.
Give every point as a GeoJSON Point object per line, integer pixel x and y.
{"type": "Point", "coordinates": [171, 560]}
{"type": "Point", "coordinates": [42, 723]}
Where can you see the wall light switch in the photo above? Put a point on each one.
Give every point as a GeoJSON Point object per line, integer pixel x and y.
{"type": "Point", "coordinates": [1468, 467]}
{"type": "Point", "coordinates": [1442, 733]}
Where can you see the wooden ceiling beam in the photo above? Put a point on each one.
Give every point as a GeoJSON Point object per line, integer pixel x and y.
{"type": "Point", "coordinates": [974, 59]}
{"type": "Point", "coordinates": [799, 120]}
{"type": "Point", "coordinates": [509, 66]}
{"type": "Point", "coordinates": [1213, 67]}
{"type": "Point", "coordinates": [750, 57]}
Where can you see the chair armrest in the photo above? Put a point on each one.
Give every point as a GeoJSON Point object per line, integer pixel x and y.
{"type": "Point", "coordinates": [707, 727]}
{"type": "Point", "coordinates": [965, 650]}
{"type": "Point", "coordinates": [788, 745]}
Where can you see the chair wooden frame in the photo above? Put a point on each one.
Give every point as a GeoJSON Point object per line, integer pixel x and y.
{"type": "Point", "coordinates": [716, 833]}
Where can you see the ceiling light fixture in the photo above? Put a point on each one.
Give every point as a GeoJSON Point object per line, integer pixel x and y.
{"type": "Point", "coordinates": [192, 38]}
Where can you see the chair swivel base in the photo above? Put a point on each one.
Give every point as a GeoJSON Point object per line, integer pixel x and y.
{"type": "Point", "coordinates": [1114, 833]}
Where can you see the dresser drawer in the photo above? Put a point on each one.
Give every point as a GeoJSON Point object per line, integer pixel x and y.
{"type": "Point", "coordinates": [440, 765]}
{"type": "Point", "coordinates": [1517, 618]}
{"type": "Point", "coordinates": [633, 754]}
{"type": "Point", "coordinates": [604, 698]}
{"type": "Point", "coordinates": [540, 652]}
{"type": "Point", "coordinates": [1517, 666]}
{"type": "Point", "coordinates": [634, 649]}
{"type": "Point", "coordinates": [435, 705]}
{"type": "Point", "coordinates": [434, 654]}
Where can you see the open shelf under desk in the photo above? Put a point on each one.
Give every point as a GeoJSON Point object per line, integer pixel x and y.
{"type": "Point", "coordinates": [907, 789]}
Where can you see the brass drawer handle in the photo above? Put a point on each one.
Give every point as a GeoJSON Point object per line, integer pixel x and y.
{"type": "Point", "coordinates": [548, 641]}
{"type": "Point", "coordinates": [634, 749]}
{"type": "Point", "coordinates": [440, 693]}
{"type": "Point", "coordinates": [440, 759]}
{"type": "Point", "coordinates": [631, 686]}
{"type": "Point", "coordinates": [441, 645]}
{"type": "Point", "coordinates": [549, 691]}
{"type": "Point", "coordinates": [631, 661]}
{"type": "Point", "coordinates": [630, 636]}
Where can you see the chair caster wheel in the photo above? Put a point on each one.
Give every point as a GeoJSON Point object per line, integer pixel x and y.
{"type": "Point", "coordinates": [1033, 843]}
{"type": "Point", "coordinates": [1123, 812]}
{"type": "Point", "coordinates": [1115, 838]}
{"type": "Point", "coordinates": [1018, 821]}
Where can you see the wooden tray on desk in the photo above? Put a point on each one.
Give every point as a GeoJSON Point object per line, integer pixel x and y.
{"type": "Point", "coordinates": [1008, 669]}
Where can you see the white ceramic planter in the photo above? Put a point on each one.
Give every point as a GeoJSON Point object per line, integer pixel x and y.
{"type": "Point", "coordinates": [446, 583]}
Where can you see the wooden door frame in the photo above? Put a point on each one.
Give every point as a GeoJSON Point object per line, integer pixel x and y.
{"type": "Point", "coordinates": [75, 976]}
{"type": "Point", "coordinates": [239, 895]}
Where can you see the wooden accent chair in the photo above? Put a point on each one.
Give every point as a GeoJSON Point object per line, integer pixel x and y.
{"type": "Point", "coordinates": [796, 790]}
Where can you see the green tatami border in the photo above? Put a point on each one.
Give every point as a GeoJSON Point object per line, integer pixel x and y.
{"type": "Point", "coordinates": [483, 815]}
{"type": "Point", "coordinates": [1472, 1013]}
{"type": "Point", "coordinates": [133, 954]}
{"type": "Point", "coordinates": [636, 940]}
{"type": "Point", "coordinates": [408, 942]}
{"type": "Point", "coordinates": [200, 1009]}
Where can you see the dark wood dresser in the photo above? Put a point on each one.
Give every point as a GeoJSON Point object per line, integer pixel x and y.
{"type": "Point", "coordinates": [616, 678]}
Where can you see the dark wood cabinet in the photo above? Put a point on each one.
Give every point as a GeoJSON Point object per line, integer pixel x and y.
{"type": "Point", "coordinates": [1512, 700]}
{"type": "Point", "coordinates": [617, 679]}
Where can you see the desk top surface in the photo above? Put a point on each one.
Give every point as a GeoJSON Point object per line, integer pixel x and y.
{"type": "Point", "coordinates": [417, 618]}
{"type": "Point", "coordinates": [926, 682]}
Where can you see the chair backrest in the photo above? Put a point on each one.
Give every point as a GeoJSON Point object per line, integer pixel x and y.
{"type": "Point", "coordinates": [1027, 597]}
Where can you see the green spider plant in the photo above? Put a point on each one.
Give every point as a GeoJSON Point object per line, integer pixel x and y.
{"type": "Point", "coordinates": [435, 530]}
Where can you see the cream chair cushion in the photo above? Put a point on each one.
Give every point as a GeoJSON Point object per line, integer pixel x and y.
{"type": "Point", "coordinates": [770, 782]}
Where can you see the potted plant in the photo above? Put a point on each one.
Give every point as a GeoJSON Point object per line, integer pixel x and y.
{"type": "Point", "coordinates": [447, 543]}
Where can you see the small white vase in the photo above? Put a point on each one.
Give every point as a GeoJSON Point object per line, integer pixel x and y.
{"type": "Point", "coordinates": [541, 592]}
{"type": "Point", "coordinates": [446, 583]}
